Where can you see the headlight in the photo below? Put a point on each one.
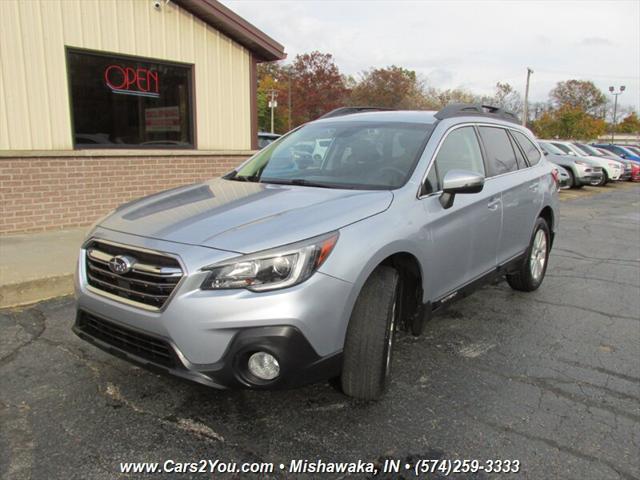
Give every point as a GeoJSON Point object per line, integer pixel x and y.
{"type": "Point", "coordinates": [272, 269]}
{"type": "Point", "coordinates": [614, 165]}
{"type": "Point", "coordinates": [580, 162]}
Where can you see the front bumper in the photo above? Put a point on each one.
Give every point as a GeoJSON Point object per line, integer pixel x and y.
{"type": "Point", "coordinates": [591, 178]}
{"type": "Point", "coordinates": [208, 331]}
{"type": "Point", "coordinates": [300, 364]}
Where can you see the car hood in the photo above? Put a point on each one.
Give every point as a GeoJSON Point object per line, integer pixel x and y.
{"type": "Point", "coordinates": [568, 160]}
{"type": "Point", "coordinates": [600, 161]}
{"type": "Point", "coordinates": [244, 217]}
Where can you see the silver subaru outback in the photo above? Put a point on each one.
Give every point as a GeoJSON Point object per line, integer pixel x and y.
{"type": "Point", "coordinates": [302, 263]}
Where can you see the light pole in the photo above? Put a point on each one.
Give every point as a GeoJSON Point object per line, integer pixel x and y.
{"type": "Point", "coordinates": [615, 108]}
{"type": "Point", "coordinates": [273, 103]}
{"type": "Point", "coordinates": [525, 113]}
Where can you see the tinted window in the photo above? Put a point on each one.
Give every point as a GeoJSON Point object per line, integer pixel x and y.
{"type": "Point", "coordinates": [529, 149]}
{"type": "Point", "coordinates": [500, 155]}
{"type": "Point", "coordinates": [459, 151]}
{"type": "Point", "coordinates": [126, 101]}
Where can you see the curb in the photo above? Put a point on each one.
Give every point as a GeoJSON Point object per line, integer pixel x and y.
{"type": "Point", "coordinates": [31, 291]}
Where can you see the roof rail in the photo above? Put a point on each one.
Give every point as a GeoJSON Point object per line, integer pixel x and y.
{"type": "Point", "coordinates": [463, 109]}
{"type": "Point", "coordinates": [339, 112]}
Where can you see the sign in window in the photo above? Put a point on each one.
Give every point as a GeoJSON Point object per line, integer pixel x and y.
{"type": "Point", "coordinates": [129, 102]}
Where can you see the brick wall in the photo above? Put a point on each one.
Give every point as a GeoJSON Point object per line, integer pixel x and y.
{"type": "Point", "coordinates": [50, 193]}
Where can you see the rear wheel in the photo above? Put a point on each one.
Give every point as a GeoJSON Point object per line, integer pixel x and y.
{"type": "Point", "coordinates": [534, 266]}
{"type": "Point", "coordinates": [369, 341]}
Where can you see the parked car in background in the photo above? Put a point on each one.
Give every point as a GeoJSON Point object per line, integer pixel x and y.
{"type": "Point", "coordinates": [611, 169]}
{"type": "Point", "coordinates": [280, 274]}
{"type": "Point", "coordinates": [633, 149]}
{"type": "Point", "coordinates": [591, 151]}
{"type": "Point", "coordinates": [581, 171]}
{"type": "Point", "coordinates": [265, 138]}
{"type": "Point", "coordinates": [565, 178]}
{"type": "Point", "coordinates": [619, 150]}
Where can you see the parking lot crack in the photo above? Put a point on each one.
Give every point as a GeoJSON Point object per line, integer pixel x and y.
{"type": "Point", "coordinates": [586, 309]}
{"type": "Point", "coordinates": [33, 325]}
{"type": "Point", "coordinates": [562, 448]}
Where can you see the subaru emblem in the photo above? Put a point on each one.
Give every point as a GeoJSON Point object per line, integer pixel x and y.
{"type": "Point", "coordinates": [121, 264]}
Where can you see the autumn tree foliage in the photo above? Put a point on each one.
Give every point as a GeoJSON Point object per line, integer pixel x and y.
{"type": "Point", "coordinates": [574, 110]}
{"type": "Point", "coordinates": [578, 94]}
{"type": "Point", "coordinates": [629, 124]}
{"type": "Point", "coordinates": [568, 122]}
{"type": "Point", "coordinates": [317, 86]}
{"type": "Point", "coordinates": [390, 87]}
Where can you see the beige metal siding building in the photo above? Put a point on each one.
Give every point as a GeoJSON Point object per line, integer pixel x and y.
{"type": "Point", "coordinates": [153, 93]}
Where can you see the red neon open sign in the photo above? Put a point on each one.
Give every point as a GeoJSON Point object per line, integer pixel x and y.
{"type": "Point", "coordinates": [132, 81]}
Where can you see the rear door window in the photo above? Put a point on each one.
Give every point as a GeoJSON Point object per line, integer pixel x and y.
{"type": "Point", "coordinates": [529, 149]}
{"type": "Point", "coordinates": [500, 155]}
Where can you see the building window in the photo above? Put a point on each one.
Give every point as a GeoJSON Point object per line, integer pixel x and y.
{"type": "Point", "coordinates": [128, 102]}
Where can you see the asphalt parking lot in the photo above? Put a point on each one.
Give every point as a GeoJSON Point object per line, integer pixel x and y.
{"type": "Point", "coordinates": [550, 378]}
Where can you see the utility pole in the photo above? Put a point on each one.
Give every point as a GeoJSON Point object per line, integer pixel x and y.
{"type": "Point", "coordinates": [525, 113]}
{"type": "Point", "coordinates": [289, 96]}
{"type": "Point", "coordinates": [273, 103]}
{"type": "Point", "coordinates": [615, 108]}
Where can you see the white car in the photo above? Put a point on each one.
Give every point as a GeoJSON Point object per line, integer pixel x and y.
{"type": "Point", "coordinates": [612, 169]}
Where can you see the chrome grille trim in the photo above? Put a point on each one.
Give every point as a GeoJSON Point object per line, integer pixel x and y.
{"type": "Point", "coordinates": [149, 285]}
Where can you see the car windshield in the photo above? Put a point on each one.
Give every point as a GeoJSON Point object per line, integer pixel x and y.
{"type": "Point", "coordinates": [359, 155]}
{"type": "Point", "coordinates": [587, 149]}
{"type": "Point", "coordinates": [565, 148]}
{"type": "Point", "coordinates": [634, 150]}
{"type": "Point", "coordinates": [551, 148]}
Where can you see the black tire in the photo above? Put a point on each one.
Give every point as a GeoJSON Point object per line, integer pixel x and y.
{"type": "Point", "coordinates": [572, 179]}
{"type": "Point", "coordinates": [369, 341]}
{"type": "Point", "coordinates": [524, 279]}
{"type": "Point", "coordinates": [605, 179]}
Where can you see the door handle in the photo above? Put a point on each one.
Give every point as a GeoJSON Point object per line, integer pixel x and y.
{"type": "Point", "coordinates": [533, 187]}
{"type": "Point", "coordinates": [493, 204]}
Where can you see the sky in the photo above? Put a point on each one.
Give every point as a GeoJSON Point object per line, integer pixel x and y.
{"type": "Point", "coordinates": [468, 44]}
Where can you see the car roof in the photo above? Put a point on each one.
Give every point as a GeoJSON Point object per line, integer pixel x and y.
{"type": "Point", "coordinates": [400, 116]}
{"type": "Point", "coordinates": [427, 117]}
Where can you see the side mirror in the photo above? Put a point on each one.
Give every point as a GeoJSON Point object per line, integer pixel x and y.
{"type": "Point", "coordinates": [457, 182]}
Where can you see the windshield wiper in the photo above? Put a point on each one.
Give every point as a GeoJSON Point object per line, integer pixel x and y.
{"type": "Point", "coordinates": [242, 178]}
{"type": "Point", "coordinates": [298, 181]}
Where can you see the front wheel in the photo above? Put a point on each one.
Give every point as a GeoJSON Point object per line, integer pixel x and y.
{"type": "Point", "coordinates": [531, 273]}
{"type": "Point", "coordinates": [370, 334]}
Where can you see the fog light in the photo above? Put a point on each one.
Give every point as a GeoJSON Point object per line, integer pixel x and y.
{"type": "Point", "coordinates": [264, 366]}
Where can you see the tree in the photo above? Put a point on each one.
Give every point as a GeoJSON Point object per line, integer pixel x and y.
{"type": "Point", "coordinates": [508, 98]}
{"type": "Point", "coordinates": [390, 87]}
{"type": "Point", "coordinates": [270, 78]}
{"type": "Point", "coordinates": [568, 123]}
{"type": "Point", "coordinates": [630, 124]}
{"type": "Point", "coordinates": [579, 94]}
{"type": "Point", "coordinates": [317, 86]}
{"type": "Point", "coordinates": [436, 99]}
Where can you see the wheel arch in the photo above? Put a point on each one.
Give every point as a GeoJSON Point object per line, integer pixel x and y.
{"type": "Point", "coordinates": [547, 214]}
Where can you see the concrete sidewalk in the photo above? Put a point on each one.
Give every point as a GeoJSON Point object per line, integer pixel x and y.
{"type": "Point", "coordinates": [37, 266]}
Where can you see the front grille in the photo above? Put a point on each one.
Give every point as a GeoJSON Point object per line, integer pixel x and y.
{"type": "Point", "coordinates": [131, 341]}
{"type": "Point", "coordinates": [149, 281]}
